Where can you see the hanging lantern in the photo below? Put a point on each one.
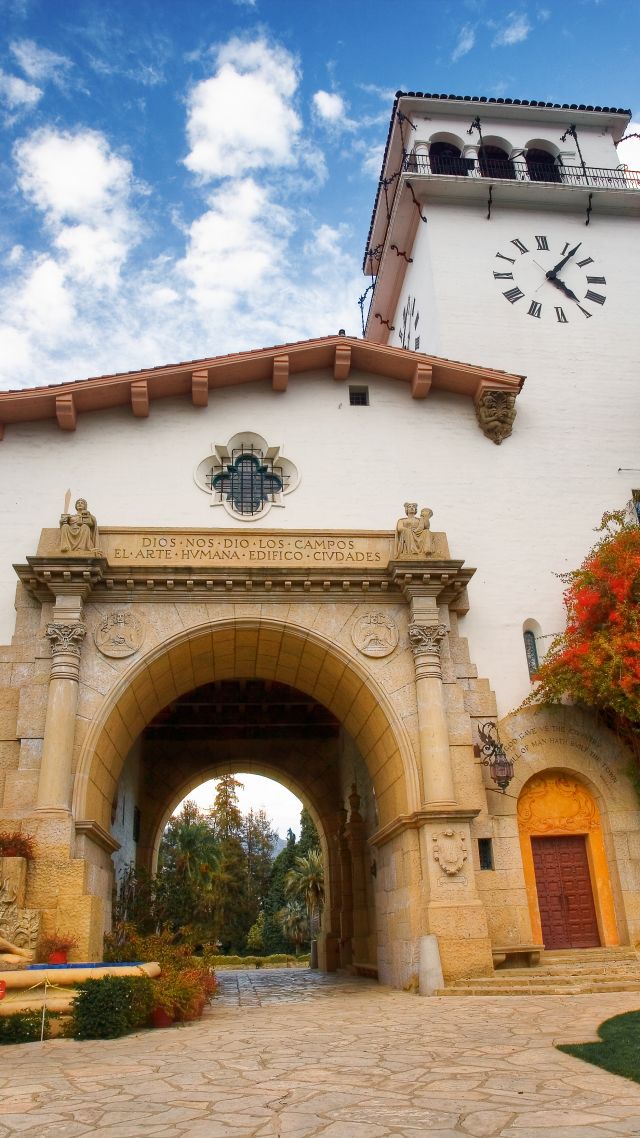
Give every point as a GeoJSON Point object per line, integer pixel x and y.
{"type": "Point", "coordinates": [493, 755]}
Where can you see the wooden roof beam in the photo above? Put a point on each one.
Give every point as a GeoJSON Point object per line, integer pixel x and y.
{"type": "Point", "coordinates": [280, 375]}
{"type": "Point", "coordinates": [421, 380]}
{"type": "Point", "coordinates": [200, 387]}
{"type": "Point", "coordinates": [140, 399]}
{"type": "Point", "coordinates": [342, 361]}
{"type": "Point", "coordinates": [66, 412]}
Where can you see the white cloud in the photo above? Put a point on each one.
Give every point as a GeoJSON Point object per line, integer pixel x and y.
{"type": "Point", "coordinates": [83, 190]}
{"type": "Point", "coordinates": [73, 176]}
{"type": "Point", "coordinates": [466, 40]}
{"type": "Point", "coordinates": [44, 305]}
{"type": "Point", "coordinates": [40, 63]}
{"type": "Point", "coordinates": [372, 163]}
{"type": "Point", "coordinates": [329, 106]}
{"type": "Point", "coordinates": [236, 246]}
{"type": "Point", "coordinates": [515, 30]}
{"type": "Point", "coordinates": [17, 94]}
{"type": "Point", "coordinates": [243, 118]}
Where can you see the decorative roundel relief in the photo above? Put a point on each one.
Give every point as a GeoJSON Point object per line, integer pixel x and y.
{"type": "Point", "coordinates": [375, 634]}
{"type": "Point", "coordinates": [119, 634]}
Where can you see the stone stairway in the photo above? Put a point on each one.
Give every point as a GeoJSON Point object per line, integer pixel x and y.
{"type": "Point", "coordinates": [566, 973]}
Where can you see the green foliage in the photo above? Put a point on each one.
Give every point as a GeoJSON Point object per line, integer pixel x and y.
{"type": "Point", "coordinates": [305, 881]}
{"type": "Point", "coordinates": [277, 959]}
{"type": "Point", "coordinates": [308, 839]}
{"type": "Point", "coordinates": [619, 1049]}
{"type": "Point", "coordinates": [24, 1027]}
{"type": "Point", "coordinates": [294, 922]}
{"type": "Point", "coordinates": [255, 936]}
{"type": "Point", "coordinates": [15, 844]}
{"type": "Point", "coordinates": [112, 1006]}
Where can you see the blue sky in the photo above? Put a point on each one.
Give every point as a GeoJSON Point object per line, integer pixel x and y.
{"type": "Point", "coordinates": [186, 178]}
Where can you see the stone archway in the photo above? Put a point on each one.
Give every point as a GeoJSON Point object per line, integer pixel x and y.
{"type": "Point", "coordinates": [278, 652]}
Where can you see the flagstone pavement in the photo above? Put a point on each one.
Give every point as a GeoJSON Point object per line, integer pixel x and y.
{"type": "Point", "coordinates": [296, 1054]}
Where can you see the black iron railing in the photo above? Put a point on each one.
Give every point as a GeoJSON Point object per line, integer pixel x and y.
{"type": "Point", "coordinates": [592, 177]}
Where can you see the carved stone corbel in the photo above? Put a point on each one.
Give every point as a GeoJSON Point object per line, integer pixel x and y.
{"type": "Point", "coordinates": [496, 412]}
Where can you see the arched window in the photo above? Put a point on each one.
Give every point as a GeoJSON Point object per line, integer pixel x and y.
{"type": "Point", "coordinates": [495, 162]}
{"type": "Point", "coordinates": [541, 166]}
{"type": "Point", "coordinates": [445, 158]}
{"type": "Point", "coordinates": [531, 650]}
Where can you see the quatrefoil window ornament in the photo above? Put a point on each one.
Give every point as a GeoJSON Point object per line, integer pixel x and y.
{"type": "Point", "coordinates": [247, 476]}
{"type": "Point", "coordinates": [248, 484]}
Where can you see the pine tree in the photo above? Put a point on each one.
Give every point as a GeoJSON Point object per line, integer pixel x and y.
{"type": "Point", "coordinates": [258, 839]}
{"type": "Point", "coordinates": [226, 816]}
{"type": "Point", "coordinates": [309, 839]}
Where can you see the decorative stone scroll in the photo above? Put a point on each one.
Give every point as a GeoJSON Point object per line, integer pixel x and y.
{"type": "Point", "coordinates": [449, 851]}
{"type": "Point", "coordinates": [414, 540]}
{"type": "Point", "coordinates": [496, 412]}
{"type": "Point", "coordinates": [120, 634]}
{"type": "Point", "coordinates": [426, 638]}
{"type": "Point", "coordinates": [375, 634]}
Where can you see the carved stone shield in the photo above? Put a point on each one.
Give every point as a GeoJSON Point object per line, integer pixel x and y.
{"type": "Point", "coordinates": [449, 851]}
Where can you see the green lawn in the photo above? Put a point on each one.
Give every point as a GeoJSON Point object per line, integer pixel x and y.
{"type": "Point", "coordinates": [619, 1049]}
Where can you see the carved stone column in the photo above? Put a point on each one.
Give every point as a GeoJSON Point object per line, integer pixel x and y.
{"type": "Point", "coordinates": [432, 717]}
{"type": "Point", "coordinates": [355, 838]}
{"type": "Point", "coordinates": [54, 787]}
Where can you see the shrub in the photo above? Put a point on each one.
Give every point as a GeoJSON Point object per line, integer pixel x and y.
{"type": "Point", "coordinates": [57, 942]}
{"type": "Point", "coordinates": [23, 1027]}
{"type": "Point", "coordinates": [112, 1006]}
{"type": "Point", "coordinates": [15, 844]}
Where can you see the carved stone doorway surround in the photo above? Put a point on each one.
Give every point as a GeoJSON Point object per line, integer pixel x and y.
{"type": "Point", "coordinates": [339, 615]}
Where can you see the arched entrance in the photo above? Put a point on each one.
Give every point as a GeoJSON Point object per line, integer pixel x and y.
{"type": "Point", "coordinates": [565, 864]}
{"type": "Point", "coordinates": [290, 704]}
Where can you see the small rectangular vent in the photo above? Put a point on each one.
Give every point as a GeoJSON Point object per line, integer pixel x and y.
{"type": "Point", "coordinates": [359, 396]}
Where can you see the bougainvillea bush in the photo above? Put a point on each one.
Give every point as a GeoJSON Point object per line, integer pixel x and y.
{"type": "Point", "coordinates": [596, 660]}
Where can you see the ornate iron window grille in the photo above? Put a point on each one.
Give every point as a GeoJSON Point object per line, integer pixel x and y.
{"type": "Point", "coordinates": [531, 650]}
{"type": "Point", "coordinates": [248, 482]}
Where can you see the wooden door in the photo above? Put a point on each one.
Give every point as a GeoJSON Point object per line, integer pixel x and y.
{"type": "Point", "coordinates": [565, 897]}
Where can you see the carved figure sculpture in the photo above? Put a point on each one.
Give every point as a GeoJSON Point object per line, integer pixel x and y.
{"type": "Point", "coordinates": [413, 536]}
{"type": "Point", "coordinates": [496, 412]}
{"type": "Point", "coordinates": [79, 531]}
{"type": "Point", "coordinates": [12, 954]}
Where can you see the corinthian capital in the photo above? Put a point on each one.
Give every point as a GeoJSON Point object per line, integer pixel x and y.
{"type": "Point", "coordinates": [426, 638]}
{"type": "Point", "coordinates": [66, 638]}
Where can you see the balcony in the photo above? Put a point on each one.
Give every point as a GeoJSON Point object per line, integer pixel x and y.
{"type": "Point", "coordinates": [588, 177]}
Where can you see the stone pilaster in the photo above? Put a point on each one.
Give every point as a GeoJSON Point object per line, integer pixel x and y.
{"type": "Point", "coordinates": [435, 755]}
{"type": "Point", "coordinates": [55, 783]}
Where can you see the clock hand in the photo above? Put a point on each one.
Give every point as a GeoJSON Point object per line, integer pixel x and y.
{"type": "Point", "coordinates": [563, 288]}
{"type": "Point", "coordinates": [556, 268]}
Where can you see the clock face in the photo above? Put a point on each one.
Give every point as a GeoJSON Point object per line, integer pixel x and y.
{"type": "Point", "coordinates": [549, 279]}
{"type": "Point", "coordinates": [409, 337]}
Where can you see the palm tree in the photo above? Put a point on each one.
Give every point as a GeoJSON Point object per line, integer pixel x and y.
{"type": "Point", "coordinates": [294, 923]}
{"type": "Point", "coordinates": [305, 882]}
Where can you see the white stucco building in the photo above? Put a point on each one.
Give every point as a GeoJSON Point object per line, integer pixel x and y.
{"type": "Point", "coordinates": [247, 510]}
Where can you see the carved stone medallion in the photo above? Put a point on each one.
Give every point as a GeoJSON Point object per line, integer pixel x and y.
{"type": "Point", "coordinates": [375, 634]}
{"type": "Point", "coordinates": [449, 851]}
{"type": "Point", "coordinates": [120, 634]}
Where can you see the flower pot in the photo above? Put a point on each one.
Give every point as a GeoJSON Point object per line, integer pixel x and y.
{"type": "Point", "coordinates": [161, 1018]}
{"type": "Point", "coordinates": [58, 957]}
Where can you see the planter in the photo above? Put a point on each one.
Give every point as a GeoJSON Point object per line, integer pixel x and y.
{"type": "Point", "coordinates": [58, 957]}
{"type": "Point", "coordinates": [161, 1018]}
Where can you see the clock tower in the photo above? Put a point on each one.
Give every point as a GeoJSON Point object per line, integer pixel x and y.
{"type": "Point", "coordinates": [506, 233]}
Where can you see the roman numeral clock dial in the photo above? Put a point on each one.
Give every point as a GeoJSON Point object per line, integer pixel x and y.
{"type": "Point", "coordinates": [549, 280]}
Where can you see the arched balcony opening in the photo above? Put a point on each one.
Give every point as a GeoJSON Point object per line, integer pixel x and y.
{"type": "Point", "coordinates": [495, 162]}
{"type": "Point", "coordinates": [541, 166]}
{"type": "Point", "coordinates": [446, 158]}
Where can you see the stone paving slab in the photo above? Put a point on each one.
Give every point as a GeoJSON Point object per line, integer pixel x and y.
{"type": "Point", "coordinates": [296, 1054]}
